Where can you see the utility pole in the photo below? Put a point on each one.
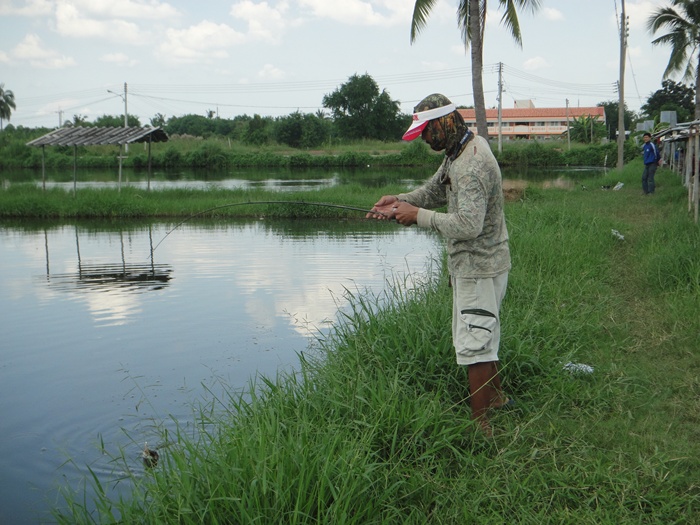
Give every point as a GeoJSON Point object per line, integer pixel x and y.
{"type": "Point", "coordinates": [500, 107]}
{"type": "Point", "coordinates": [126, 121]}
{"type": "Point", "coordinates": [60, 118]}
{"type": "Point", "coordinates": [568, 128]}
{"type": "Point", "coordinates": [621, 88]}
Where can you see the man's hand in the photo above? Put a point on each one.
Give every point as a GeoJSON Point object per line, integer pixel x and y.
{"type": "Point", "coordinates": [389, 207]}
{"type": "Point", "coordinates": [384, 208]}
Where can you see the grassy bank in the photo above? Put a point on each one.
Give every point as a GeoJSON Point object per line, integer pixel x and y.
{"type": "Point", "coordinates": [375, 429]}
{"type": "Point", "coordinates": [27, 201]}
{"type": "Point", "coordinates": [218, 153]}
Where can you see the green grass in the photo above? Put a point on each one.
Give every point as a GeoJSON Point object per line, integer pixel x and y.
{"type": "Point", "coordinates": [27, 201]}
{"type": "Point", "coordinates": [375, 427]}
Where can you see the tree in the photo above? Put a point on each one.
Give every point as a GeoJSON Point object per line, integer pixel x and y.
{"type": "Point", "coordinates": [257, 133]}
{"type": "Point", "coordinates": [471, 19]}
{"type": "Point", "coordinates": [361, 111]}
{"type": "Point", "coordinates": [7, 104]}
{"type": "Point", "coordinates": [672, 96]}
{"type": "Point", "coordinates": [158, 120]}
{"type": "Point", "coordinates": [587, 129]}
{"type": "Point", "coordinates": [301, 131]}
{"type": "Point", "coordinates": [78, 120]}
{"type": "Point", "coordinates": [612, 117]}
{"type": "Point", "coordinates": [682, 20]}
{"type": "Point", "coordinates": [116, 121]}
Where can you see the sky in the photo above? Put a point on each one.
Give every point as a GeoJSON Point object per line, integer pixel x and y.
{"type": "Point", "coordinates": [63, 58]}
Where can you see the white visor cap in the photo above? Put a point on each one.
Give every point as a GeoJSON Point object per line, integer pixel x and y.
{"type": "Point", "coordinates": [421, 119]}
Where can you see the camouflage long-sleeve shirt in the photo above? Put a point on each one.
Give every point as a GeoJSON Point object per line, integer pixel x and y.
{"type": "Point", "coordinates": [474, 225]}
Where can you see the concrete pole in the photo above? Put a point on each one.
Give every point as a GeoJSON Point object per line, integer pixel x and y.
{"type": "Point", "coordinates": [621, 86]}
{"type": "Point", "coordinates": [500, 107]}
{"type": "Point", "coordinates": [126, 121]}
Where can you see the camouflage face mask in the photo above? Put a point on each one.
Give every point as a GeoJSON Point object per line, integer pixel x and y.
{"type": "Point", "coordinates": [443, 133]}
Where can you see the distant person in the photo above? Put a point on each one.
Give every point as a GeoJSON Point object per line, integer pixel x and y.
{"type": "Point", "coordinates": [651, 156]}
{"type": "Point", "coordinates": [469, 182]}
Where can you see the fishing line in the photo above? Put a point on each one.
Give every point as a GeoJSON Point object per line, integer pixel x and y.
{"type": "Point", "coordinates": [248, 203]}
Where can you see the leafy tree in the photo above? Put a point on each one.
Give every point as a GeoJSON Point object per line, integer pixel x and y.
{"type": "Point", "coordinates": [671, 97]}
{"type": "Point", "coordinates": [587, 129]}
{"type": "Point", "coordinates": [361, 111]}
{"type": "Point", "coordinates": [7, 104]}
{"type": "Point", "coordinates": [158, 120]}
{"type": "Point", "coordinates": [116, 121]}
{"type": "Point", "coordinates": [301, 131]}
{"type": "Point", "coordinates": [682, 20]}
{"type": "Point", "coordinates": [196, 125]}
{"type": "Point", "coordinates": [471, 19]}
{"type": "Point", "coordinates": [78, 120]}
{"type": "Point", "coordinates": [257, 133]}
{"type": "Point", "coordinates": [612, 117]}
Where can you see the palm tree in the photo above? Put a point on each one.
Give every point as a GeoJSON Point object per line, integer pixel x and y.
{"type": "Point", "coordinates": [7, 104]}
{"type": "Point", "coordinates": [471, 19]}
{"type": "Point", "coordinates": [682, 19]}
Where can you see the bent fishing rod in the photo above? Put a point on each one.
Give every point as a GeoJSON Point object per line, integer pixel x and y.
{"type": "Point", "coordinates": [249, 203]}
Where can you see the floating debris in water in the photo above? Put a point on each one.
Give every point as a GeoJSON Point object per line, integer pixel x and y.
{"type": "Point", "coordinates": [618, 235]}
{"type": "Point", "coordinates": [150, 457]}
{"type": "Point", "coordinates": [618, 186]}
{"type": "Point", "coordinates": [578, 368]}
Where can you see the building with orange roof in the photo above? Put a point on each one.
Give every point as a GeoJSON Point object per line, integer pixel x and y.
{"type": "Point", "coordinates": [525, 121]}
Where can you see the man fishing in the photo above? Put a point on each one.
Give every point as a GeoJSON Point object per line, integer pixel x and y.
{"type": "Point", "coordinates": [469, 182]}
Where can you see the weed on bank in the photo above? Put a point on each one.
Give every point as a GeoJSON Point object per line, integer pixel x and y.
{"type": "Point", "coordinates": [374, 428]}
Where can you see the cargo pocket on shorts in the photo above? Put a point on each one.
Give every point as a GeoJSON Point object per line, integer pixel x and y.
{"type": "Point", "coordinates": [480, 325]}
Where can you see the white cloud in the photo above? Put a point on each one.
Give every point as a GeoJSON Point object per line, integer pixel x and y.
{"type": "Point", "coordinates": [120, 59]}
{"type": "Point", "coordinates": [270, 72]}
{"type": "Point", "coordinates": [535, 63]}
{"type": "Point", "coordinates": [118, 9]}
{"type": "Point", "coordinates": [31, 8]}
{"type": "Point", "coordinates": [31, 50]}
{"type": "Point", "coordinates": [70, 22]}
{"type": "Point", "coordinates": [552, 14]}
{"type": "Point", "coordinates": [639, 13]}
{"type": "Point", "coordinates": [361, 12]}
{"type": "Point", "coordinates": [204, 41]}
{"type": "Point", "coordinates": [264, 22]}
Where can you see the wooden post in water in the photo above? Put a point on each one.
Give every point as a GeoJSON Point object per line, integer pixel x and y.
{"type": "Point", "coordinates": [43, 167]}
{"type": "Point", "coordinates": [75, 169]}
{"type": "Point", "coordinates": [120, 167]}
{"type": "Point", "coordinates": [696, 177]}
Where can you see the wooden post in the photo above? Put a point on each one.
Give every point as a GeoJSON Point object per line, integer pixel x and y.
{"type": "Point", "coordinates": [149, 163]}
{"type": "Point", "coordinates": [75, 170]}
{"type": "Point", "coordinates": [43, 167]}
{"type": "Point", "coordinates": [687, 163]}
{"type": "Point", "coordinates": [696, 178]}
{"type": "Point", "coordinates": [691, 166]}
{"type": "Point", "coordinates": [120, 167]}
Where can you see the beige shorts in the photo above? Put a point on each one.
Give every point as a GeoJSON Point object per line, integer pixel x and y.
{"type": "Point", "coordinates": [476, 322]}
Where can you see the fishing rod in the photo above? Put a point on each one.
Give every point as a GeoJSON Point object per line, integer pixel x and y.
{"type": "Point", "coordinates": [248, 203]}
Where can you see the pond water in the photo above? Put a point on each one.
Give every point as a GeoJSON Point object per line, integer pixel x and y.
{"type": "Point", "coordinates": [280, 180]}
{"type": "Point", "coordinates": [104, 346]}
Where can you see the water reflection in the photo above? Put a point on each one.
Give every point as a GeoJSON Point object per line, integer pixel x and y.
{"type": "Point", "coordinates": [104, 346]}
{"type": "Point", "coordinates": [275, 179]}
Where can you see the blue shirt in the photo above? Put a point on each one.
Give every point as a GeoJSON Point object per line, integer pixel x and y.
{"type": "Point", "coordinates": [650, 153]}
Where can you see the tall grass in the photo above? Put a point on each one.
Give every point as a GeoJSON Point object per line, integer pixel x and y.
{"type": "Point", "coordinates": [28, 201]}
{"type": "Point", "coordinates": [375, 427]}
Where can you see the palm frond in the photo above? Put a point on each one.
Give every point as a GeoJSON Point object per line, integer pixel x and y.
{"type": "Point", "coordinates": [681, 20]}
{"type": "Point", "coordinates": [421, 12]}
